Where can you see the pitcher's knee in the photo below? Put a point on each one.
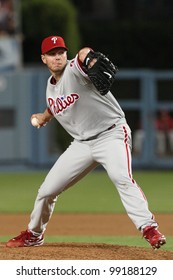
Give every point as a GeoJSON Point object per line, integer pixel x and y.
{"type": "Point", "coordinates": [48, 190]}
{"type": "Point", "coordinates": [121, 179]}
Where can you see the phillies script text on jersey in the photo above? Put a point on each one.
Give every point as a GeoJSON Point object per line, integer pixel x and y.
{"type": "Point", "coordinates": [60, 104]}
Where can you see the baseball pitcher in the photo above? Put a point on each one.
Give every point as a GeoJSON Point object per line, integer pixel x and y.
{"type": "Point", "coordinates": [78, 95]}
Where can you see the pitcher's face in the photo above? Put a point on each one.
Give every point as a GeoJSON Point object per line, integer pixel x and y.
{"type": "Point", "coordinates": [55, 60]}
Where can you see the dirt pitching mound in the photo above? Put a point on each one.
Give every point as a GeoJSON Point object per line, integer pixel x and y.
{"type": "Point", "coordinates": [82, 251]}
{"type": "Point", "coordinates": [83, 225]}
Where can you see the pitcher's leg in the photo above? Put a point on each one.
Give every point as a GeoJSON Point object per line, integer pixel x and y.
{"type": "Point", "coordinates": [117, 162]}
{"type": "Point", "coordinates": [72, 165]}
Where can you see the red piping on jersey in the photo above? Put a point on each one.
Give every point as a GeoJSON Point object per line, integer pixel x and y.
{"type": "Point", "coordinates": [80, 63]}
{"type": "Point", "coordinates": [128, 161]}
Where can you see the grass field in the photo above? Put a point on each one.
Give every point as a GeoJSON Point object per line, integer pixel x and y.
{"type": "Point", "coordinates": [95, 194]}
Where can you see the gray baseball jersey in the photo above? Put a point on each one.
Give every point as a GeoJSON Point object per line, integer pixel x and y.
{"type": "Point", "coordinates": [79, 107]}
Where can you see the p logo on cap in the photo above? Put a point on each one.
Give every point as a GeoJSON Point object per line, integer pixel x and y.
{"type": "Point", "coordinates": [52, 42]}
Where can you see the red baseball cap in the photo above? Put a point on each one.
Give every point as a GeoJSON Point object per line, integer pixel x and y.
{"type": "Point", "coordinates": [52, 42]}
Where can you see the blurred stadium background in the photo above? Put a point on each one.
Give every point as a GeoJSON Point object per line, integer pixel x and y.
{"type": "Point", "coordinates": [136, 35]}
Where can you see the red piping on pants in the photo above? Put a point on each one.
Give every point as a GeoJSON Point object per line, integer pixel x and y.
{"type": "Point", "coordinates": [128, 161]}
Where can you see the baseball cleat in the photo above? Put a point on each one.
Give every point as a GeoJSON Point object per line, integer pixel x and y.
{"type": "Point", "coordinates": [154, 237]}
{"type": "Point", "coordinates": [26, 239]}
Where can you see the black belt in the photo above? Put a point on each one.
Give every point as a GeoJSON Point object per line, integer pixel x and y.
{"type": "Point", "coordinates": [112, 126]}
{"type": "Point", "coordinates": [95, 136]}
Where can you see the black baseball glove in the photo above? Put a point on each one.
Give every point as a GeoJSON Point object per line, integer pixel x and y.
{"type": "Point", "coordinates": [102, 73]}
